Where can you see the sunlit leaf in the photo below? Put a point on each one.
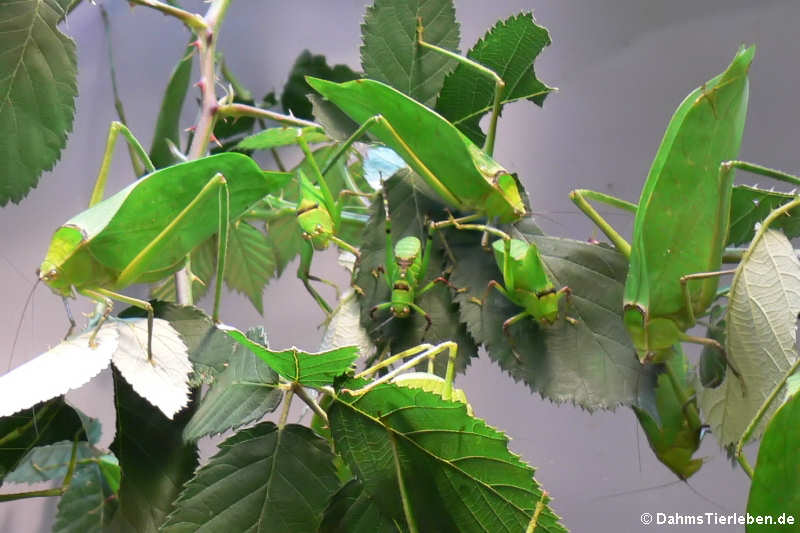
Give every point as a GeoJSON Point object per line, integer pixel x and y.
{"type": "Point", "coordinates": [162, 380]}
{"type": "Point", "coordinates": [344, 328]}
{"type": "Point", "coordinates": [69, 365]}
{"type": "Point", "coordinates": [280, 136]}
{"type": "Point", "coordinates": [457, 472]}
{"type": "Point", "coordinates": [307, 369]}
{"type": "Point", "coordinates": [169, 116]}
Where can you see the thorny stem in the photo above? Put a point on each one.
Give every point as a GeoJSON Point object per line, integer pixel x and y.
{"type": "Point", "coordinates": [207, 29]}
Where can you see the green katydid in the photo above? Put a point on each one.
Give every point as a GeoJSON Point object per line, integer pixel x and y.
{"type": "Point", "coordinates": [525, 280]}
{"type": "Point", "coordinates": [464, 176]}
{"type": "Point", "coordinates": [319, 216]}
{"type": "Point", "coordinates": [144, 232]}
{"type": "Point", "coordinates": [682, 218]}
{"type": "Point", "coordinates": [405, 269]}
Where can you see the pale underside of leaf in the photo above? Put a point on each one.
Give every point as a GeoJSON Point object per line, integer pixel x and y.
{"type": "Point", "coordinates": [163, 381]}
{"type": "Point", "coordinates": [344, 328]}
{"type": "Point", "coordinates": [69, 365]}
{"type": "Point", "coordinates": [760, 338]}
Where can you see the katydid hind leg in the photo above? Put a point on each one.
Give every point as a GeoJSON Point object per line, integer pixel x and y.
{"type": "Point", "coordinates": [222, 244]}
{"type": "Point", "coordinates": [303, 273]}
{"type": "Point", "coordinates": [499, 84]}
{"type": "Point", "coordinates": [113, 131]}
{"type": "Point", "coordinates": [136, 302]}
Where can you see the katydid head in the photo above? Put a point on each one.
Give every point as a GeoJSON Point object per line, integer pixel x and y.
{"type": "Point", "coordinates": [509, 205]}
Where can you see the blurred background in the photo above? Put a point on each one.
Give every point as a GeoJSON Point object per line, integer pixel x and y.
{"type": "Point", "coordinates": [622, 67]}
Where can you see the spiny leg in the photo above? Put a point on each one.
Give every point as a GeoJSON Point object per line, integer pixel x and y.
{"type": "Point", "coordinates": [306, 253]}
{"type": "Point", "coordinates": [579, 197]}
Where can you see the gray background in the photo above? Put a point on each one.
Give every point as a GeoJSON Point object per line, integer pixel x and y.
{"type": "Point", "coordinates": [622, 67]}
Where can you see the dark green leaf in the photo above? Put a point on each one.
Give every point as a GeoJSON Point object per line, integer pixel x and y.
{"type": "Point", "coordinates": [244, 392]}
{"type": "Point", "coordinates": [336, 123]}
{"type": "Point", "coordinates": [776, 484]}
{"type": "Point", "coordinates": [750, 205]}
{"type": "Point", "coordinates": [410, 203]}
{"type": "Point", "coordinates": [293, 99]}
{"type": "Point", "coordinates": [307, 369]}
{"type": "Point", "coordinates": [390, 53]}
{"type": "Point", "coordinates": [249, 264]}
{"type": "Point", "coordinates": [154, 460]}
{"type": "Point", "coordinates": [285, 239]}
{"type": "Point", "coordinates": [169, 116]}
{"type": "Point", "coordinates": [590, 363]}
{"type": "Point", "coordinates": [46, 423]}
{"type": "Point", "coordinates": [280, 136]}
{"type": "Point", "coordinates": [352, 510]}
{"type": "Point", "coordinates": [263, 479]}
{"type": "Point", "coordinates": [88, 503]}
{"type": "Point", "coordinates": [509, 49]}
{"type": "Point", "coordinates": [458, 472]}
{"type": "Point", "coordinates": [44, 463]}
{"type": "Point", "coordinates": [672, 437]}
{"type": "Point", "coordinates": [713, 364]}
{"type": "Point", "coordinates": [37, 93]}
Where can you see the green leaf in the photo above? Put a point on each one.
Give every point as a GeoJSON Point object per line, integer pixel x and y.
{"type": "Point", "coordinates": [751, 205]}
{"type": "Point", "coordinates": [263, 479]}
{"type": "Point", "coordinates": [293, 99]}
{"type": "Point", "coordinates": [353, 510]}
{"type": "Point", "coordinates": [457, 472]}
{"type": "Point", "coordinates": [281, 136]}
{"type": "Point", "coordinates": [285, 240]}
{"type": "Point", "coordinates": [410, 202]}
{"type": "Point", "coordinates": [153, 457]}
{"type": "Point", "coordinates": [307, 369]}
{"type": "Point", "coordinates": [763, 305]}
{"type": "Point", "coordinates": [590, 363]}
{"type": "Point", "coordinates": [249, 264]}
{"type": "Point", "coordinates": [88, 503]}
{"type": "Point", "coordinates": [244, 392]}
{"type": "Point", "coordinates": [390, 54]}
{"type": "Point", "coordinates": [37, 93]}
{"type": "Point", "coordinates": [775, 490]}
{"type": "Point", "coordinates": [169, 116]}
{"type": "Point", "coordinates": [47, 423]}
{"type": "Point", "coordinates": [44, 463]}
{"type": "Point", "coordinates": [509, 49]}
{"type": "Point", "coordinates": [672, 438]}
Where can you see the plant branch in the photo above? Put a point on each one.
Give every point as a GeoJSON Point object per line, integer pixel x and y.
{"type": "Point", "coordinates": [244, 110]}
{"type": "Point", "coordinates": [301, 393]}
{"type": "Point", "coordinates": [193, 21]}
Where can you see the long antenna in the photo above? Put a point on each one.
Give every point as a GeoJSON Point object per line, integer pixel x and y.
{"type": "Point", "coordinates": [19, 324]}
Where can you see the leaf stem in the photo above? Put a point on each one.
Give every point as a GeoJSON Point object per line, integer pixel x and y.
{"type": "Point", "coordinates": [301, 393]}
{"type": "Point", "coordinates": [287, 403]}
{"type": "Point", "coordinates": [410, 522]}
{"type": "Point", "coordinates": [244, 110]}
{"type": "Point", "coordinates": [193, 21]}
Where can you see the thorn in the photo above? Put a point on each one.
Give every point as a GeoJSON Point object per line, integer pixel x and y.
{"type": "Point", "coordinates": [202, 85]}
{"type": "Point", "coordinates": [214, 139]}
{"type": "Point", "coordinates": [196, 44]}
{"type": "Point", "coordinates": [190, 129]}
